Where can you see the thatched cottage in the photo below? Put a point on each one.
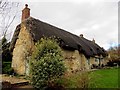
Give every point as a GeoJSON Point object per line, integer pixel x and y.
{"type": "Point", "coordinates": [78, 52]}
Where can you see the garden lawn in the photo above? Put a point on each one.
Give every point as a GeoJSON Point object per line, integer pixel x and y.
{"type": "Point", "coordinates": [104, 78]}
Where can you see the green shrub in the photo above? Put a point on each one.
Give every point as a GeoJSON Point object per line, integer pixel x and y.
{"type": "Point", "coordinates": [46, 63]}
{"type": "Point", "coordinates": [6, 68]}
{"type": "Point", "coordinates": [76, 80]}
{"type": "Point", "coordinates": [5, 52]}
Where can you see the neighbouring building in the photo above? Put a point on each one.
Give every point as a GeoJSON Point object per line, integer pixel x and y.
{"type": "Point", "coordinates": [78, 52]}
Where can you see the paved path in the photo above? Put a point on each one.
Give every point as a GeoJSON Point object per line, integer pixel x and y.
{"type": "Point", "coordinates": [12, 79]}
{"type": "Point", "coordinates": [16, 82]}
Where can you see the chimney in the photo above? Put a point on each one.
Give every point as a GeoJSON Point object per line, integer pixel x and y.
{"type": "Point", "coordinates": [81, 35]}
{"type": "Point", "coordinates": [25, 12]}
{"type": "Point", "coordinates": [93, 40]}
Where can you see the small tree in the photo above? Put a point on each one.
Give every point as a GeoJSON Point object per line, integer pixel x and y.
{"type": "Point", "coordinates": [6, 54]}
{"type": "Point", "coordinates": [46, 63]}
{"type": "Point", "coordinates": [114, 55]}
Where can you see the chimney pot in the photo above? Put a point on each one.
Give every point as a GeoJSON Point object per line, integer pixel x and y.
{"type": "Point", "coordinates": [81, 35]}
{"type": "Point", "coordinates": [25, 12]}
{"type": "Point", "coordinates": [26, 5]}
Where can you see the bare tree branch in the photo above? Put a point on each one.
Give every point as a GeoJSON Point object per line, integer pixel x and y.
{"type": "Point", "coordinates": [8, 14]}
{"type": "Point", "coordinates": [6, 28]}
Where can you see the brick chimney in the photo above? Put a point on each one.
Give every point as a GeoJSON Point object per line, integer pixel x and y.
{"type": "Point", "coordinates": [25, 12]}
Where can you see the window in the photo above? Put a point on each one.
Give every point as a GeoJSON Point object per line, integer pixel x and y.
{"type": "Point", "coordinates": [96, 59]}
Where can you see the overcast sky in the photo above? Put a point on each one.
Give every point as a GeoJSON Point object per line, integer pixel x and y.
{"type": "Point", "coordinates": [98, 20]}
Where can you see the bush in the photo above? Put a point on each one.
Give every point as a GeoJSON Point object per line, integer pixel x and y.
{"type": "Point", "coordinates": [5, 52]}
{"type": "Point", "coordinates": [79, 80]}
{"type": "Point", "coordinates": [46, 63]}
{"type": "Point", "coordinates": [6, 68]}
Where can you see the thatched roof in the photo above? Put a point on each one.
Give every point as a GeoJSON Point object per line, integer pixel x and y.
{"type": "Point", "coordinates": [38, 29]}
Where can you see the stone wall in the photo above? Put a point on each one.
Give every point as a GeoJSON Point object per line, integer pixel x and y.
{"type": "Point", "coordinates": [84, 62]}
{"type": "Point", "coordinates": [74, 61]}
{"type": "Point", "coordinates": [23, 46]}
{"type": "Point", "coordinates": [71, 60]}
{"type": "Point", "coordinates": [92, 60]}
{"type": "Point", "coordinates": [98, 60]}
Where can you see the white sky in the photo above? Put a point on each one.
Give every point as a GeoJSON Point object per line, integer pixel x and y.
{"type": "Point", "coordinates": [96, 19]}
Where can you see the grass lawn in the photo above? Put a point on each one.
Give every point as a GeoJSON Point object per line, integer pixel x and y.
{"type": "Point", "coordinates": [104, 78]}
